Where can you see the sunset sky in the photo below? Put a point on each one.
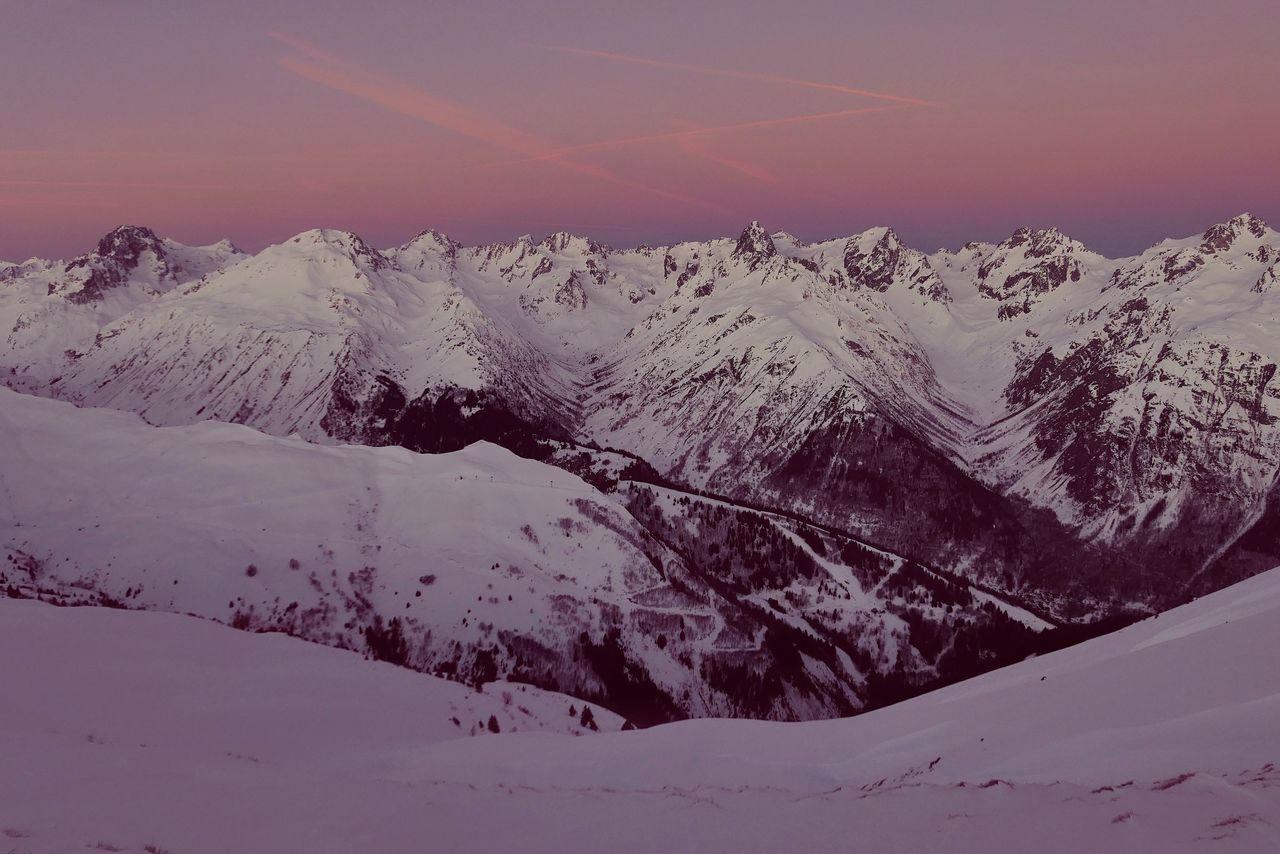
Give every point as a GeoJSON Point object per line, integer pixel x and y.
{"type": "Point", "coordinates": [1120, 122]}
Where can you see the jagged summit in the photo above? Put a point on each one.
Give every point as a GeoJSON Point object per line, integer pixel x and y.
{"type": "Point", "coordinates": [882, 232]}
{"type": "Point", "coordinates": [1255, 225]}
{"type": "Point", "coordinates": [562, 241]}
{"type": "Point", "coordinates": [1040, 242]}
{"type": "Point", "coordinates": [1031, 263]}
{"type": "Point", "coordinates": [1223, 236]}
{"type": "Point", "coordinates": [877, 259]}
{"type": "Point", "coordinates": [125, 243]}
{"type": "Point", "coordinates": [754, 245]}
{"type": "Point", "coordinates": [871, 258]}
{"type": "Point", "coordinates": [118, 254]}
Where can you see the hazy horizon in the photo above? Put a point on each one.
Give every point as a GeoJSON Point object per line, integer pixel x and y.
{"type": "Point", "coordinates": [538, 235]}
{"type": "Point", "coordinates": [1119, 124]}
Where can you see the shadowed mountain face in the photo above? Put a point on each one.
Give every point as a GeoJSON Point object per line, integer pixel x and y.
{"type": "Point", "coordinates": [1080, 432]}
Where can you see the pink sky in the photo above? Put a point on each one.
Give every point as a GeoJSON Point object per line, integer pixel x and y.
{"type": "Point", "coordinates": [1119, 122]}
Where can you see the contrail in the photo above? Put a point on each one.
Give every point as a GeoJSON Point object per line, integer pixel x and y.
{"type": "Point", "coordinates": [696, 145]}
{"type": "Point", "coordinates": [303, 47]}
{"type": "Point", "coordinates": [406, 100]}
{"type": "Point", "coordinates": [107, 184]}
{"type": "Point", "coordinates": [740, 75]}
{"type": "Point", "coordinates": [620, 142]}
{"type": "Point", "coordinates": [397, 96]}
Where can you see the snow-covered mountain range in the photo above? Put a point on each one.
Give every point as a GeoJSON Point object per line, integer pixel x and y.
{"type": "Point", "coordinates": [1013, 412]}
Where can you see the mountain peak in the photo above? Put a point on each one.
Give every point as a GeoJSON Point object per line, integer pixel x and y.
{"type": "Point", "coordinates": [226, 244]}
{"type": "Point", "coordinates": [1029, 264]}
{"type": "Point", "coordinates": [125, 243]}
{"type": "Point", "coordinates": [871, 258]}
{"type": "Point", "coordinates": [754, 245]}
{"type": "Point", "coordinates": [563, 241]}
{"type": "Point", "coordinates": [328, 236]}
{"type": "Point", "coordinates": [433, 239]}
{"type": "Point", "coordinates": [1250, 223]}
{"type": "Point", "coordinates": [1039, 242]}
{"type": "Point", "coordinates": [1220, 237]}
{"type": "Point", "coordinates": [347, 243]}
{"type": "Point", "coordinates": [883, 234]}
{"type": "Point", "coordinates": [117, 255]}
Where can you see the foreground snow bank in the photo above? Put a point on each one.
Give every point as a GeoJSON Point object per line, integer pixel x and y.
{"type": "Point", "coordinates": [136, 729]}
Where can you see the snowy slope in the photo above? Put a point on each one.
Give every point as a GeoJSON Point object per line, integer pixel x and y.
{"type": "Point", "coordinates": [479, 565]}
{"type": "Point", "coordinates": [1160, 737]}
{"type": "Point", "coordinates": [480, 558]}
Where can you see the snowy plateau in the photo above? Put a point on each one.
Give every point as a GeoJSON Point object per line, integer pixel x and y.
{"type": "Point", "coordinates": [479, 509]}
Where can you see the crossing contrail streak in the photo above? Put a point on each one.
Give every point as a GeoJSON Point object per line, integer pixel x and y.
{"type": "Point", "coordinates": [400, 97]}
{"type": "Point", "coordinates": [740, 75]}
{"type": "Point", "coordinates": [698, 132]}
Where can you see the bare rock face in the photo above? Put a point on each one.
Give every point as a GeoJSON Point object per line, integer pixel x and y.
{"type": "Point", "coordinates": [877, 268]}
{"type": "Point", "coordinates": [877, 260]}
{"type": "Point", "coordinates": [1221, 237]}
{"type": "Point", "coordinates": [1156, 425]}
{"type": "Point", "coordinates": [1269, 281]}
{"type": "Point", "coordinates": [118, 254]}
{"type": "Point", "coordinates": [563, 241]}
{"type": "Point", "coordinates": [1027, 266]}
{"type": "Point", "coordinates": [754, 246]}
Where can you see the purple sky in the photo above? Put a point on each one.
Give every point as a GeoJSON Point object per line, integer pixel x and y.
{"type": "Point", "coordinates": [1120, 122]}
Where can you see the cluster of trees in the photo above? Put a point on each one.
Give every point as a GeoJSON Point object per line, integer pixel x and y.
{"type": "Point", "coordinates": [868, 565]}
{"type": "Point", "coordinates": [918, 585]}
{"type": "Point", "coordinates": [453, 419]}
{"type": "Point", "coordinates": [628, 689]}
{"type": "Point", "coordinates": [435, 422]}
{"type": "Point", "coordinates": [386, 641]}
{"type": "Point", "coordinates": [740, 548]}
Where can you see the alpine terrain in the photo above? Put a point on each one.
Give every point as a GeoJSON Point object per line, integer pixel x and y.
{"type": "Point", "coordinates": [749, 477]}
